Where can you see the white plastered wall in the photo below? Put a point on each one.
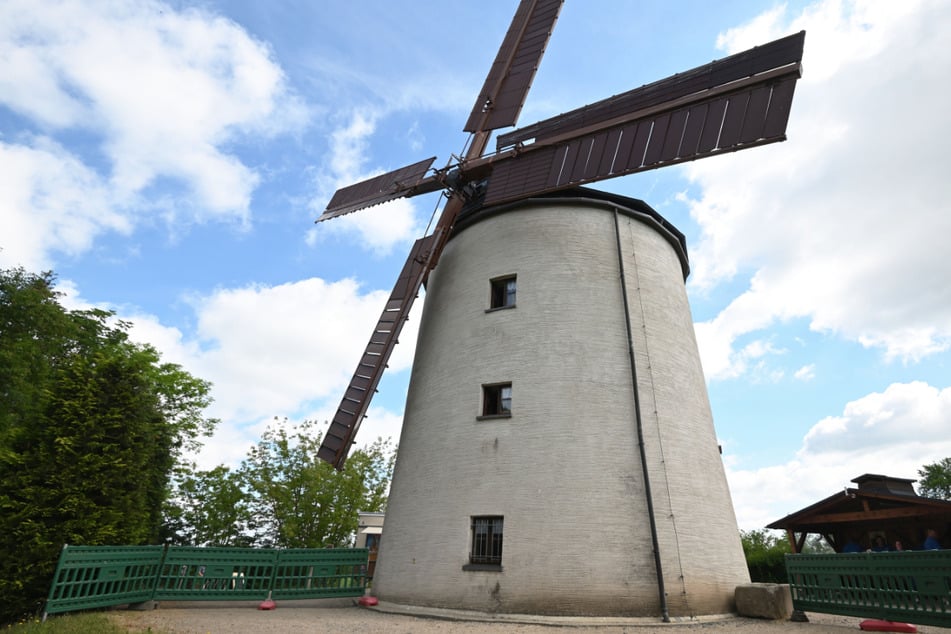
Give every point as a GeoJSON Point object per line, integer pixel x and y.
{"type": "Point", "coordinates": [565, 469]}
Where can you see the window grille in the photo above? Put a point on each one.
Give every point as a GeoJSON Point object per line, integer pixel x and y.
{"type": "Point", "coordinates": [486, 540]}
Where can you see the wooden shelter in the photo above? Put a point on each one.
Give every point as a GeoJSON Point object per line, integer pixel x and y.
{"type": "Point", "coordinates": [881, 506]}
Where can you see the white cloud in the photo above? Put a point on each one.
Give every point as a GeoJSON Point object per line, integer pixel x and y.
{"type": "Point", "coordinates": [379, 228]}
{"type": "Point", "coordinates": [806, 372]}
{"type": "Point", "coordinates": [50, 201]}
{"type": "Point", "coordinates": [894, 432]}
{"type": "Point", "coordinates": [842, 225]}
{"type": "Point", "coordinates": [286, 350]}
{"type": "Point", "coordinates": [882, 420]}
{"type": "Point", "coordinates": [380, 423]}
{"type": "Point", "coordinates": [750, 312]}
{"type": "Point", "coordinates": [155, 93]}
{"type": "Point", "coordinates": [270, 349]}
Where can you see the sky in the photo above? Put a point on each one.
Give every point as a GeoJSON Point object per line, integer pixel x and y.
{"type": "Point", "coordinates": [168, 159]}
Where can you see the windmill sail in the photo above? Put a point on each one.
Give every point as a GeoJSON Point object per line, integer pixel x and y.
{"type": "Point", "coordinates": [734, 103]}
{"type": "Point", "coordinates": [781, 53]}
{"type": "Point", "coordinates": [498, 105]}
{"type": "Point", "coordinates": [503, 94]}
{"type": "Point", "coordinates": [356, 400]}
{"type": "Point", "coordinates": [406, 181]}
{"type": "Point", "coordinates": [746, 118]}
{"type": "Point", "coordinates": [739, 102]}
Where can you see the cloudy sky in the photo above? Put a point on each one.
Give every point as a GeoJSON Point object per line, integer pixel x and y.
{"type": "Point", "coordinates": [167, 160]}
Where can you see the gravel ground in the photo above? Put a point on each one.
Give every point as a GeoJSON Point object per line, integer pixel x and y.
{"type": "Point", "coordinates": [344, 616]}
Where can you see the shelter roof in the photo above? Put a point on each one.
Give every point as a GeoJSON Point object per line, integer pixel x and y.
{"type": "Point", "coordinates": [877, 500]}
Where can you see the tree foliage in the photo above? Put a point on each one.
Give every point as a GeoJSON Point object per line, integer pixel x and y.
{"type": "Point", "coordinates": [817, 545]}
{"type": "Point", "coordinates": [93, 433]}
{"type": "Point", "coordinates": [300, 501]}
{"type": "Point", "coordinates": [765, 553]}
{"type": "Point", "coordinates": [281, 496]}
{"type": "Point", "coordinates": [209, 508]}
{"type": "Point", "coordinates": [935, 480]}
{"type": "Point", "coordinates": [91, 425]}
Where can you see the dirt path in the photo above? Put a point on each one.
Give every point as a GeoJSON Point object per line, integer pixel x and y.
{"type": "Point", "coordinates": [342, 615]}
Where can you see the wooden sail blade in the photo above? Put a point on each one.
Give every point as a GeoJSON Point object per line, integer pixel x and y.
{"type": "Point", "coordinates": [356, 400]}
{"type": "Point", "coordinates": [406, 181]}
{"type": "Point", "coordinates": [506, 86]}
{"type": "Point", "coordinates": [783, 52]}
{"type": "Point", "coordinates": [723, 123]}
{"type": "Point", "coordinates": [743, 114]}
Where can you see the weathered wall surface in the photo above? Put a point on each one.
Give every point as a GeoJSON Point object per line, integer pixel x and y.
{"type": "Point", "coordinates": [564, 470]}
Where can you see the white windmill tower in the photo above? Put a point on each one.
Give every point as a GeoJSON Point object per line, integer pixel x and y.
{"type": "Point", "coordinates": [558, 454]}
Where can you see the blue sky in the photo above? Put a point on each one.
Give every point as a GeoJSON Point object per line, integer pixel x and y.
{"type": "Point", "coordinates": [168, 160]}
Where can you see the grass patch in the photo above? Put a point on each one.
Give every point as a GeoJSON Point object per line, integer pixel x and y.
{"type": "Point", "coordinates": [90, 623]}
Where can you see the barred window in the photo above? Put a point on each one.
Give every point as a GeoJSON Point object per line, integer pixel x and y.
{"type": "Point", "coordinates": [486, 540]}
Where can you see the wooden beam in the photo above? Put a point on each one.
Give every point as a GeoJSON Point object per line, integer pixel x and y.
{"type": "Point", "coordinates": [856, 516]}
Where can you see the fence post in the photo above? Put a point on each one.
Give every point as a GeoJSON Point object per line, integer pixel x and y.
{"type": "Point", "coordinates": [151, 603]}
{"type": "Point", "coordinates": [59, 563]}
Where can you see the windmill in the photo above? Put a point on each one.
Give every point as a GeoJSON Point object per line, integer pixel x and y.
{"type": "Point", "coordinates": [738, 102]}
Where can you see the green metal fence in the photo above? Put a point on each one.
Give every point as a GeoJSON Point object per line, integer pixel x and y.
{"type": "Point", "coordinates": [912, 587]}
{"type": "Point", "coordinates": [101, 576]}
{"type": "Point", "coordinates": [306, 573]}
{"type": "Point", "coordinates": [215, 574]}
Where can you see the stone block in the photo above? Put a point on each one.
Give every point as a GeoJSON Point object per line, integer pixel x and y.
{"type": "Point", "coordinates": [764, 600]}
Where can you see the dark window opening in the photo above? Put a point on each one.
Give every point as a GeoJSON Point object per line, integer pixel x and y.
{"type": "Point", "coordinates": [486, 541]}
{"type": "Point", "coordinates": [497, 399]}
{"type": "Point", "coordinates": [503, 292]}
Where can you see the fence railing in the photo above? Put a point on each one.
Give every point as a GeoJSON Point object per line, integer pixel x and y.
{"type": "Point", "coordinates": [89, 577]}
{"type": "Point", "coordinates": [303, 573]}
{"type": "Point", "coordinates": [99, 576]}
{"type": "Point", "coordinates": [911, 586]}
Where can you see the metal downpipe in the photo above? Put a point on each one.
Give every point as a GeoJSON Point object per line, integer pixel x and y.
{"type": "Point", "coordinates": [662, 593]}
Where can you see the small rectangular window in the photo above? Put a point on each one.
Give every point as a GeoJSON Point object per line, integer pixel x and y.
{"type": "Point", "coordinates": [497, 399]}
{"type": "Point", "coordinates": [502, 292]}
{"type": "Point", "coordinates": [486, 540]}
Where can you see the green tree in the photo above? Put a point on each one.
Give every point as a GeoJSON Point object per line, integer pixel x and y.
{"type": "Point", "coordinates": [300, 501]}
{"type": "Point", "coordinates": [765, 553]}
{"type": "Point", "coordinates": [208, 508]}
{"type": "Point", "coordinates": [91, 425]}
{"type": "Point", "coordinates": [35, 338]}
{"type": "Point", "coordinates": [935, 480]}
{"type": "Point", "coordinates": [817, 545]}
